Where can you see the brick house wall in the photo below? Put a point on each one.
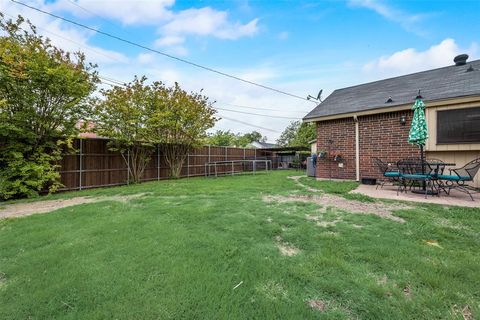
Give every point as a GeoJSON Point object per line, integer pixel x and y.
{"type": "Point", "coordinates": [380, 135]}
{"type": "Point", "coordinates": [336, 136]}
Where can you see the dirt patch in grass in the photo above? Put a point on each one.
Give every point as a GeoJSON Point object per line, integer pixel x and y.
{"type": "Point", "coordinates": [29, 208]}
{"type": "Point", "coordinates": [407, 292]}
{"type": "Point", "coordinates": [318, 305]}
{"type": "Point", "coordinates": [325, 224]}
{"type": "Point", "coordinates": [297, 180]}
{"type": "Point", "coordinates": [465, 311]}
{"type": "Point", "coordinates": [443, 222]}
{"type": "Point", "coordinates": [382, 210]}
{"type": "Point", "coordinates": [273, 291]}
{"type": "Point", "coordinates": [285, 248]}
{"type": "Point", "coordinates": [433, 243]}
{"type": "Point", "coordinates": [312, 217]}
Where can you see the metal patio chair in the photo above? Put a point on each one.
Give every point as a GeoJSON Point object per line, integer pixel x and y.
{"type": "Point", "coordinates": [459, 177]}
{"type": "Point", "coordinates": [391, 174]}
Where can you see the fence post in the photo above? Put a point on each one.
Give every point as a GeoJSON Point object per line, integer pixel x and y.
{"type": "Point", "coordinates": [188, 165]}
{"type": "Point", "coordinates": [208, 160]}
{"type": "Point", "coordinates": [128, 167]}
{"type": "Point", "coordinates": [243, 163]}
{"type": "Point", "coordinates": [158, 162]}
{"type": "Point", "coordinates": [80, 166]}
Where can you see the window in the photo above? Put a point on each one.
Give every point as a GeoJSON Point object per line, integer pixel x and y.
{"type": "Point", "coordinates": [458, 126]}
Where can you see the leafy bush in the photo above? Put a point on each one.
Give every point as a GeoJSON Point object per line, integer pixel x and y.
{"type": "Point", "coordinates": [27, 177]}
{"type": "Point", "coordinates": [43, 94]}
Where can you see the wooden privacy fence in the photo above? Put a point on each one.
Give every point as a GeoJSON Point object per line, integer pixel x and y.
{"type": "Point", "coordinates": [94, 165]}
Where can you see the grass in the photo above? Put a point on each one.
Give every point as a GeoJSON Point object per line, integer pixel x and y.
{"type": "Point", "coordinates": [178, 252]}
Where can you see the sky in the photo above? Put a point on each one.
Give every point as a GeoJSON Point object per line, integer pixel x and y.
{"type": "Point", "coordinates": [298, 47]}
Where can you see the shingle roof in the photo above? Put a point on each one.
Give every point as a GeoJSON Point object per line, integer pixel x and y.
{"type": "Point", "coordinates": [437, 84]}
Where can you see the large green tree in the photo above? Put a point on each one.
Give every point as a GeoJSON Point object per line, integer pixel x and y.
{"type": "Point", "coordinates": [43, 94]}
{"type": "Point", "coordinates": [181, 120]}
{"type": "Point", "coordinates": [297, 134]}
{"type": "Point", "coordinates": [139, 116]}
{"type": "Point", "coordinates": [122, 115]}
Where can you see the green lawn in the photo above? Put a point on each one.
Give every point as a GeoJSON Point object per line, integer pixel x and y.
{"type": "Point", "coordinates": [178, 251]}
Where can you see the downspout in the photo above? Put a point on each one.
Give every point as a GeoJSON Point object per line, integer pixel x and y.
{"type": "Point", "coordinates": [357, 148]}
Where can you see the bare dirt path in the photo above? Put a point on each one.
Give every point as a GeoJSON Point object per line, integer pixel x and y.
{"type": "Point", "coordinates": [380, 209]}
{"type": "Point", "coordinates": [29, 208]}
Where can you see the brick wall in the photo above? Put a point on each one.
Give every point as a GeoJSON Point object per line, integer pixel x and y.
{"type": "Point", "coordinates": [380, 135]}
{"type": "Point", "coordinates": [336, 136]}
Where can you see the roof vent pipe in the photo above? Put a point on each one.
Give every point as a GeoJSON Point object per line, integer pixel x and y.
{"type": "Point", "coordinates": [461, 59]}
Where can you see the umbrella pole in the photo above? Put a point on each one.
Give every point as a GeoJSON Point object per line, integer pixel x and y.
{"type": "Point", "coordinates": [422, 158]}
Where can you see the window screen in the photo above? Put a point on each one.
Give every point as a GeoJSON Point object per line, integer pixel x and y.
{"type": "Point", "coordinates": [458, 125]}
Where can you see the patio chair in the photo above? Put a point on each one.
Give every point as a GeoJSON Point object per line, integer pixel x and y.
{"type": "Point", "coordinates": [391, 174]}
{"type": "Point", "coordinates": [459, 177]}
{"type": "Point", "coordinates": [414, 172]}
{"type": "Point", "coordinates": [438, 168]}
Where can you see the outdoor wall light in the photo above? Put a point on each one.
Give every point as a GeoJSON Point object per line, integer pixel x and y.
{"type": "Point", "coordinates": [403, 120]}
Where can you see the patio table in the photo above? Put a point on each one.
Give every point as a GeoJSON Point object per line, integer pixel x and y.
{"type": "Point", "coordinates": [436, 168]}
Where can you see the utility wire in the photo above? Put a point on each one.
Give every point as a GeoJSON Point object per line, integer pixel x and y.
{"type": "Point", "coordinates": [161, 53]}
{"type": "Point", "coordinates": [265, 109]}
{"type": "Point", "coordinates": [248, 124]}
{"type": "Point", "coordinates": [256, 114]}
{"type": "Point", "coordinates": [92, 13]}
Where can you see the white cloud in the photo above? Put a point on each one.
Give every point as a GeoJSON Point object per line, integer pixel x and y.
{"type": "Point", "coordinates": [129, 12]}
{"type": "Point", "coordinates": [145, 58]}
{"type": "Point", "coordinates": [207, 22]}
{"type": "Point", "coordinates": [169, 41]}
{"type": "Point", "coordinates": [411, 60]}
{"type": "Point", "coordinates": [408, 21]}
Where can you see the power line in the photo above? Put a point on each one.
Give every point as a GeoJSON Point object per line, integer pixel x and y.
{"type": "Point", "coordinates": [265, 109]}
{"type": "Point", "coordinates": [160, 52]}
{"type": "Point", "coordinates": [91, 12]}
{"type": "Point", "coordinates": [249, 124]}
{"type": "Point", "coordinates": [256, 114]}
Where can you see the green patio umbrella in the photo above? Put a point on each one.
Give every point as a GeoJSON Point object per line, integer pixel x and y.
{"type": "Point", "coordinates": [418, 130]}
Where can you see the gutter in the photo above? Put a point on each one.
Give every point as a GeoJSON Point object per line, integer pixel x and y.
{"type": "Point", "coordinates": [357, 148]}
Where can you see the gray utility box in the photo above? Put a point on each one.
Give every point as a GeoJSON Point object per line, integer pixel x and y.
{"type": "Point", "coordinates": [310, 167]}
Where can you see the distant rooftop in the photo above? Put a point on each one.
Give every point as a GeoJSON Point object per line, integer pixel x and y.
{"type": "Point", "coordinates": [262, 145]}
{"type": "Point", "coordinates": [459, 80]}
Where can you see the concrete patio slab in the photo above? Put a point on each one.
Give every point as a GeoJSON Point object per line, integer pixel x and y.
{"type": "Point", "coordinates": [455, 198]}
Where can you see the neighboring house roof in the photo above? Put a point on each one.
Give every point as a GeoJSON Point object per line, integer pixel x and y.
{"type": "Point", "coordinates": [88, 133]}
{"type": "Point", "coordinates": [437, 84]}
{"type": "Point", "coordinates": [262, 145]}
